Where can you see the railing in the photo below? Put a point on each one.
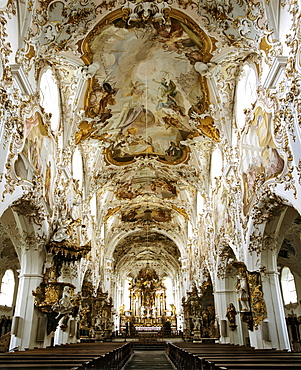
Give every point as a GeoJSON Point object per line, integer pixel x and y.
{"type": "Point", "coordinates": [114, 360]}
{"type": "Point", "coordinates": [184, 360]}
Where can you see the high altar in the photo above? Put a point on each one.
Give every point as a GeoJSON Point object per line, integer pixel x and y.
{"type": "Point", "coordinates": [148, 309]}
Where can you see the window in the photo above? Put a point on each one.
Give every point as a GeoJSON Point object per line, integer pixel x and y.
{"type": "Point", "coordinates": [7, 289]}
{"type": "Point", "coordinates": [245, 93]}
{"type": "Point", "coordinates": [49, 97]}
{"type": "Point", "coordinates": [288, 286]}
{"type": "Point", "coordinates": [77, 167]}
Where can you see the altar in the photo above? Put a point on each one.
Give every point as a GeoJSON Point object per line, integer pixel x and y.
{"type": "Point", "coordinates": [148, 329]}
{"type": "Point", "coordinates": [148, 310]}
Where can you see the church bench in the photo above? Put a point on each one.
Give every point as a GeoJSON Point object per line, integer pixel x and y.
{"type": "Point", "coordinates": [75, 356]}
{"type": "Point", "coordinates": [259, 366]}
{"type": "Point", "coordinates": [197, 357]}
{"type": "Point", "coordinates": [53, 366]}
{"type": "Point", "coordinates": [251, 360]}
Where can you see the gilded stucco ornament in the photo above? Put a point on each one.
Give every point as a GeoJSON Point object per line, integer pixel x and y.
{"type": "Point", "coordinates": [267, 205]}
{"type": "Point", "coordinates": [31, 204]}
{"type": "Point", "coordinates": [258, 305]}
{"type": "Point", "coordinates": [55, 300]}
{"type": "Point", "coordinates": [239, 21]}
{"type": "Point", "coordinates": [54, 26]}
{"type": "Point", "coordinates": [32, 241]}
{"type": "Point", "coordinates": [157, 11]}
{"type": "Point", "coordinates": [299, 171]}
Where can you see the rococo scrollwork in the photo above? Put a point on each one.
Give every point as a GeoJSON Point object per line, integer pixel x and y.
{"type": "Point", "coordinates": [150, 171]}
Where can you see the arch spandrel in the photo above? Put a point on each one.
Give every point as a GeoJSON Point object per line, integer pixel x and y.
{"type": "Point", "coordinates": [145, 89]}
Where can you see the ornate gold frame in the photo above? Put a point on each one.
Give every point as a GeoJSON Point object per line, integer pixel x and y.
{"type": "Point", "coordinates": [87, 57]}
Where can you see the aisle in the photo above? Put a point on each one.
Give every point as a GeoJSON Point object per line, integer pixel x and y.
{"type": "Point", "coordinates": [149, 360]}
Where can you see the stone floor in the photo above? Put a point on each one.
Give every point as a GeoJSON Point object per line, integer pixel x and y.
{"type": "Point", "coordinates": [149, 360]}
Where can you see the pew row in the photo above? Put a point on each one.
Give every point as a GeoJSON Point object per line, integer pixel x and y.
{"type": "Point", "coordinates": [81, 356]}
{"type": "Point", "coordinates": [196, 356]}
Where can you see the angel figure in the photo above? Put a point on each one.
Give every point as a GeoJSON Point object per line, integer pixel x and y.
{"type": "Point", "coordinates": [64, 305]}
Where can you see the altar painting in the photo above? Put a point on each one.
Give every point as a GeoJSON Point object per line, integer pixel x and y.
{"type": "Point", "coordinates": [145, 90]}
{"type": "Point", "coordinates": [261, 159]}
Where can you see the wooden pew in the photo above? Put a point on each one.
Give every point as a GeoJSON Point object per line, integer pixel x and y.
{"type": "Point", "coordinates": [232, 357]}
{"type": "Point", "coordinates": [82, 356]}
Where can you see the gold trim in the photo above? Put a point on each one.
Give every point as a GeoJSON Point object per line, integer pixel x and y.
{"type": "Point", "coordinates": [111, 160]}
{"type": "Point", "coordinates": [111, 212]}
{"type": "Point", "coordinates": [87, 57]}
{"type": "Point", "coordinates": [181, 211]}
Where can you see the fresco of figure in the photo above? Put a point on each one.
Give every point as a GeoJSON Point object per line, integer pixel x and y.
{"type": "Point", "coordinates": [168, 92]}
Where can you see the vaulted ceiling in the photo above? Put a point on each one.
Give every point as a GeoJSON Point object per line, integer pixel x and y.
{"type": "Point", "coordinates": [141, 79]}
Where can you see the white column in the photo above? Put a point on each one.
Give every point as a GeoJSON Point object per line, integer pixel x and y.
{"type": "Point", "coordinates": [222, 300]}
{"type": "Point", "coordinates": [29, 279]}
{"type": "Point", "coordinates": [275, 311]}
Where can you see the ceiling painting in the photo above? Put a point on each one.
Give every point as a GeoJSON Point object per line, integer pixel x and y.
{"type": "Point", "coordinates": [261, 159]}
{"type": "Point", "coordinates": [138, 250]}
{"type": "Point", "coordinates": [141, 186]}
{"type": "Point", "coordinates": [145, 90]}
{"type": "Point", "coordinates": [144, 213]}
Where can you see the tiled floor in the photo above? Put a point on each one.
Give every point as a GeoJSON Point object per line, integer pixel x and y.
{"type": "Point", "coordinates": [149, 360]}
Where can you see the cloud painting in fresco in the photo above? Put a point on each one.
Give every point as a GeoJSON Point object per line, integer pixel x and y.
{"type": "Point", "coordinates": [145, 89]}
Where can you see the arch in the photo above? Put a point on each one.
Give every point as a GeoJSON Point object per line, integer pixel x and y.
{"type": "Point", "coordinates": [122, 234]}
{"type": "Point", "coordinates": [267, 228]}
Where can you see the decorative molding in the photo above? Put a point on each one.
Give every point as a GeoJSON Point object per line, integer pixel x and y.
{"type": "Point", "coordinates": [276, 72]}
{"type": "Point", "coordinates": [21, 79]}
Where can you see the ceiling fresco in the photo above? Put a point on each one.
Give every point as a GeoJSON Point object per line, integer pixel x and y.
{"type": "Point", "coordinates": [137, 250]}
{"type": "Point", "coordinates": [139, 91]}
{"type": "Point", "coordinates": [145, 89]}
{"type": "Point", "coordinates": [143, 212]}
{"type": "Point", "coordinates": [139, 186]}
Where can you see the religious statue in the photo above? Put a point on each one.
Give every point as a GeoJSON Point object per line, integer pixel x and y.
{"type": "Point", "coordinates": [64, 305]}
{"type": "Point", "coordinates": [243, 290]}
{"type": "Point", "coordinates": [196, 324]}
{"type": "Point", "coordinates": [231, 316]}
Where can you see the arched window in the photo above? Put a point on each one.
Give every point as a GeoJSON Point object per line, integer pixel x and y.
{"type": "Point", "coordinates": [7, 289]}
{"type": "Point", "coordinates": [77, 167]}
{"type": "Point", "coordinates": [288, 286]}
{"type": "Point", "coordinates": [49, 97]}
{"type": "Point", "coordinates": [169, 291]}
{"type": "Point", "coordinates": [245, 92]}
{"type": "Point", "coordinates": [216, 165]}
